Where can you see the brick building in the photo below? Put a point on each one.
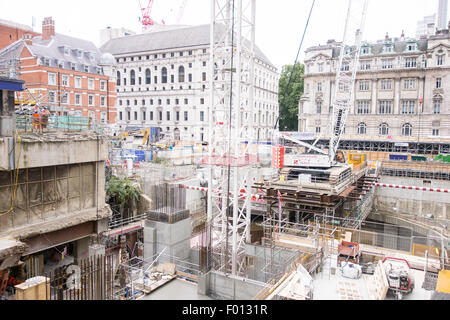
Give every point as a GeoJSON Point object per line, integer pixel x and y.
{"type": "Point", "coordinates": [69, 75]}
{"type": "Point", "coordinates": [10, 32]}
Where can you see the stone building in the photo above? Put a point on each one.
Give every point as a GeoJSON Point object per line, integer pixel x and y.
{"type": "Point", "coordinates": [69, 75]}
{"type": "Point", "coordinates": [402, 93]}
{"type": "Point", "coordinates": [163, 78]}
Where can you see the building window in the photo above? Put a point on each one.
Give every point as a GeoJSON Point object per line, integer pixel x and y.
{"type": "Point", "coordinates": [103, 85]}
{"type": "Point", "coordinates": [440, 60]}
{"type": "Point", "coordinates": [409, 84]}
{"type": "Point", "coordinates": [120, 116]}
{"type": "Point", "coordinates": [408, 106]}
{"type": "Point", "coordinates": [407, 130]}
{"type": "Point", "coordinates": [202, 116]}
{"type": "Point", "coordinates": [135, 102]}
{"type": "Point", "coordinates": [65, 80]}
{"type": "Point", "coordinates": [186, 101]}
{"type": "Point", "coordinates": [168, 115]}
{"type": "Point", "coordinates": [160, 116]}
{"type": "Point", "coordinates": [102, 101]}
{"type": "Point", "coordinates": [129, 115]}
{"type": "Point", "coordinates": [90, 100]}
{"type": "Point", "coordinates": [65, 98]}
{"type": "Point", "coordinates": [343, 87]}
{"type": "Point", "coordinates": [345, 66]}
{"type": "Point", "coordinates": [148, 76]}
{"type": "Point", "coordinates": [437, 106]}
{"type": "Point", "coordinates": [411, 47]}
{"type": "Point", "coordinates": [118, 78]}
{"type": "Point", "coordinates": [132, 77]}
{"type": "Point", "coordinates": [365, 65]}
{"type": "Point", "coordinates": [177, 116]}
{"type": "Point", "coordinates": [362, 128]}
{"type": "Point", "coordinates": [204, 76]}
{"type": "Point", "coordinates": [317, 129]}
{"type": "Point", "coordinates": [186, 116]}
{"type": "Point", "coordinates": [52, 79]}
{"type": "Point", "coordinates": [164, 75]}
{"type": "Point", "coordinates": [363, 107]}
{"type": "Point", "coordinates": [144, 116]}
{"type": "Point", "coordinates": [155, 80]}
{"type": "Point", "coordinates": [91, 84]}
{"type": "Point", "coordinates": [363, 85]}
{"type": "Point", "coordinates": [320, 67]}
{"type": "Point", "coordinates": [78, 82]}
{"type": "Point", "coordinates": [388, 48]}
{"type": "Point", "coordinates": [410, 62]}
{"type": "Point", "coordinates": [128, 102]}
{"type": "Point", "coordinates": [386, 85]}
{"type": "Point", "coordinates": [383, 129]}
{"type": "Point", "coordinates": [438, 83]}
{"type": "Point", "coordinates": [181, 74]}
{"type": "Point", "coordinates": [78, 99]}
{"type": "Point", "coordinates": [435, 132]}
{"type": "Point", "coordinates": [319, 87]}
{"type": "Point", "coordinates": [204, 63]}
{"type": "Point", "coordinates": [168, 101]}
{"type": "Point", "coordinates": [202, 100]}
{"type": "Point", "coordinates": [385, 107]}
{"type": "Point", "coordinates": [365, 50]}
{"type": "Point", "coordinates": [172, 78]}
{"type": "Point", "coordinates": [319, 107]}
{"type": "Point", "coordinates": [386, 63]}
{"type": "Point", "coordinates": [151, 115]}
{"type": "Point", "coordinates": [135, 115]}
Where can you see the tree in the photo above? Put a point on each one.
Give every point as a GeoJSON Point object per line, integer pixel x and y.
{"type": "Point", "coordinates": [289, 96]}
{"type": "Point", "coordinates": [122, 192]}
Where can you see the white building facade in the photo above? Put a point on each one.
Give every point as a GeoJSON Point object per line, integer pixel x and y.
{"type": "Point", "coordinates": [402, 91]}
{"type": "Point", "coordinates": [163, 79]}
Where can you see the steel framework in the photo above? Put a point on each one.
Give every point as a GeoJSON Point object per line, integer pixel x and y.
{"type": "Point", "coordinates": [230, 155]}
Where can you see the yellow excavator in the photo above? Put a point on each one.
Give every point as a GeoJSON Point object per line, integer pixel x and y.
{"type": "Point", "coordinates": [144, 132]}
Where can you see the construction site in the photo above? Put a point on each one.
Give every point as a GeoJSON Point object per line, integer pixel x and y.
{"type": "Point", "coordinates": [135, 214]}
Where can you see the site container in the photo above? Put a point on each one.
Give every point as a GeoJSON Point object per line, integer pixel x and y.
{"type": "Point", "coordinates": [403, 157]}
{"type": "Point", "coordinates": [348, 248]}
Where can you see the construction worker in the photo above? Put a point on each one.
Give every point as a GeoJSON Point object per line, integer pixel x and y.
{"type": "Point", "coordinates": [44, 116]}
{"type": "Point", "coordinates": [37, 119]}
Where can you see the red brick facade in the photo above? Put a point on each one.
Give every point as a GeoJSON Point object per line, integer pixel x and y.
{"type": "Point", "coordinates": [9, 34]}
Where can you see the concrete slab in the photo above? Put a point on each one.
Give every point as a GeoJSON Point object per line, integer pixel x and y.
{"type": "Point", "coordinates": [176, 290]}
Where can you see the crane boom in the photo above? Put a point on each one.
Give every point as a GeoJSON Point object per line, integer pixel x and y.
{"type": "Point", "coordinates": [344, 89]}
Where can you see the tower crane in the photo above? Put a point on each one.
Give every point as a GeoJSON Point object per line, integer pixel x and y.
{"type": "Point", "coordinates": [342, 98]}
{"type": "Point", "coordinates": [146, 19]}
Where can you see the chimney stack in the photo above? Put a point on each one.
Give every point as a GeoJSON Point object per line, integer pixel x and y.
{"type": "Point", "coordinates": [27, 37]}
{"type": "Point", "coordinates": [48, 28]}
{"type": "Point", "coordinates": [386, 37]}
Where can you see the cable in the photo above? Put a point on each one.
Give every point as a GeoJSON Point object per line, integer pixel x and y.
{"type": "Point", "coordinates": [295, 63]}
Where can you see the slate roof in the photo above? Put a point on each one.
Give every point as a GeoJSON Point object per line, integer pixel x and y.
{"type": "Point", "coordinates": [166, 40]}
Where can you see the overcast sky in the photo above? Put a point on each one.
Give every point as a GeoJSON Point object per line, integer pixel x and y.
{"type": "Point", "coordinates": [279, 28]}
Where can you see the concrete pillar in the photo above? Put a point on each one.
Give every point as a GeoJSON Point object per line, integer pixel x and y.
{"type": "Point", "coordinates": [374, 96]}
{"type": "Point", "coordinates": [81, 249]}
{"type": "Point", "coordinates": [96, 250]}
{"type": "Point", "coordinates": [149, 242]}
{"type": "Point", "coordinates": [7, 115]}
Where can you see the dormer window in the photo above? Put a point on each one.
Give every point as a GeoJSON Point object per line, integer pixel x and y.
{"type": "Point", "coordinates": [411, 46]}
{"type": "Point", "coordinates": [86, 68]}
{"type": "Point", "coordinates": [66, 51]}
{"type": "Point", "coordinates": [388, 48]}
{"type": "Point", "coordinates": [365, 49]}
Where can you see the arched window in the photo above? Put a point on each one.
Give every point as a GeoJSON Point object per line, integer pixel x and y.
{"type": "Point", "coordinates": [407, 130]}
{"type": "Point", "coordinates": [118, 78]}
{"type": "Point", "coordinates": [148, 76]}
{"type": "Point", "coordinates": [132, 78]}
{"type": "Point", "coordinates": [362, 128]}
{"type": "Point", "coordinates": [181, 74]}
{"type": "Point", "coordinates": [164, 75]}
{"type": "Point", "coordinates": [383, 129]}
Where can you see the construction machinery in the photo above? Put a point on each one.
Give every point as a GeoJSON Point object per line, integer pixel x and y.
{"type": "Point", "coordinates": [307, 157]}
{"type": "Point", "coordinates": [399, 276]}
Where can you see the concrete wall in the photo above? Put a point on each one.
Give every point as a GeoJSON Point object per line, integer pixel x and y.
{"type": "Point", "coordinates": [221, 286]}
{"type": "Point", "coordinates": [174, 237]}
{"type": "Point", "coordinates": [54, 151]}
{"type": "Point", "coordinates": [416, 202]}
